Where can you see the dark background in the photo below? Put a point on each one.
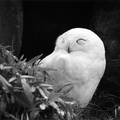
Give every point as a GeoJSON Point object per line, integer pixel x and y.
{"type": "Point", "coordinates": [44, 21]}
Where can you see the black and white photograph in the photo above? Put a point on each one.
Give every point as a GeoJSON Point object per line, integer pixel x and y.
{"type": "Point", "coordinates": [59, 60]}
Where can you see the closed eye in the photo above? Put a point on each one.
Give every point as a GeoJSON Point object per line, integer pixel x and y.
{"type": "Point", "coordinates": [80, 41]}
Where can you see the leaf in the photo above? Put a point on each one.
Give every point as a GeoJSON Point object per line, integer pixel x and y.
{"type": "Point", "coordinates": [48, 86]}
{"type": "Point", "coordinates": [67, 88]}
{"type": "Point", "coordinates": [68, 116]}
{"type": "Point", "coordinates": [3, 48]}
{"type": "Point", "coordinates": [8, 115]}
{"type": "Point", "coordinates": [34, 113]}
{"type": "Point", "coordinates": [2, 67]}
{"type": "Point", "coordinates": [22, 99]}
{"type": "Point", "coordinates": [22, 57]}
{"type": "Point", "coordinates": [38, 62]}
{"type": "Point", "coordinates": [63, 89]}
{"type": "Point", "coordinates": [27, 90]}
{"type": "Point", "coordinates": [3, 105]}
{"type": "Point", "coordinates": [53, 97]}
{"type": "Point", "coordinates": [12, 79]}
{"type": "Point", "coordinates": [12, 99]}
{"type": "Point", "coordinates": [6, 84]}
{"type": "Point", "coordinates": [27, 117]}
{"type": "Point", "coordinates": [30, 62]}
{"type": "Point", "coordinates": [47, 92]}
{"type": "Point", "coordinates": [24, 116]}
{"type": "Point", "coordinates": [54, 105]}
{"type": "Point", "coordinates": [42, 93]}
{"type": "Point", "coordinates": [26, 76]}
{"type": "Point", "coordinates": [44, 76]}
{"type": "Point", "coordinates": [67, 100]}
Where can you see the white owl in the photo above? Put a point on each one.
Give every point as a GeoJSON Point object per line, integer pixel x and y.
{"type": "Point", "coordinates": [79, 59]}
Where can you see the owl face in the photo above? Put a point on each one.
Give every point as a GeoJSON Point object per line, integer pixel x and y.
{"type": "Point", "coordinates": [81, 40]}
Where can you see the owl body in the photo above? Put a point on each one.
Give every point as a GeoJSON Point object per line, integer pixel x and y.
{"type": "Point", "coordinates": [79, 59]}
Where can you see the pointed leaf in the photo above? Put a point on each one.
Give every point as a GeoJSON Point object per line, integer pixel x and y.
{"type": "Point", "coordinates": [68, 116]}
{"type": "Point", "coordinates": [54, 105]}
{"type": "Point", "coordinates": [53, 97]}
{"type": "Point", "coordinates": [27, 90]}
{"type": "Point", "coordinates": [64, 89]}
{"type": "Point", "coordinates": [12, 79]}
{"type": "Point", "coordinates": [47, 86]}
{"type": "Point", "coordinates": [67, 100]}
{"type": "Point", "coordinates": [22, 57]}
{"type": "Point", "coordinates": [2, 67]}
{"type": "Point", "coordinates": [33, 60]}
{"type": "Point", "coordinates": [42, 93]}
{"type": "Point", "coordinates": [3, 105]}
{"type": "Point", "coordinates": [38, 62]}
{"type": "Point", "coordinates": [6, 84]}
{"type": "Point", "coordinates": [34, 113]}
{"type": "Point", "coordinates": [26, 76]}
{"type": "Point", "coordinates": [27, 117]}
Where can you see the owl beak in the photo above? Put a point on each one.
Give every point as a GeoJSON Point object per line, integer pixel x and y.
{"type": "Point", "coordinates": [68, 49]}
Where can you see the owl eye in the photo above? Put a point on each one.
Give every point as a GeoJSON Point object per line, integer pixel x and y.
{"type": "Point", "coordinates": [80, 41]}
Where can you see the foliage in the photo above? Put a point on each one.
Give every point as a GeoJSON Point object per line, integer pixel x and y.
{"type": "Point", "coordinates": [25, 93]}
